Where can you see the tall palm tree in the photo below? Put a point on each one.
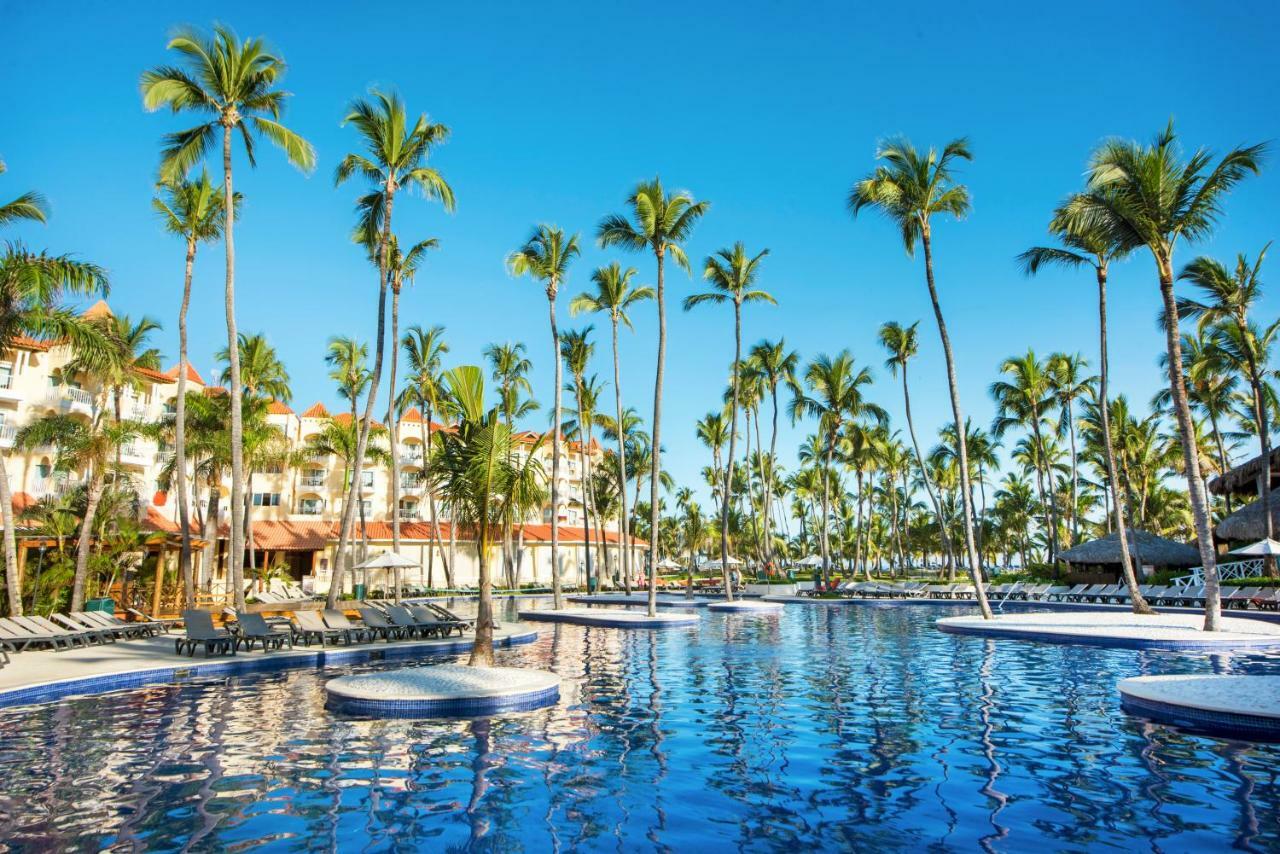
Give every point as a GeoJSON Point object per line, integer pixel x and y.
{"type": "Point", "coordinates": [910, 190]}
{"type": "Point", "coordinates": [835, 396]}
{"type": "Point", "coordinates": [660, 223]}
{"type": "Point", "coordinates": [1067, 384]}
{"type": "Point", "coordinates": [776, 365]}
{"type": "Point", "coordinates": [231, 83]}
{"type": "Point", "coordinates": [577, 349]}
{"type": "Point", "coordinates": [1088, 243]}
{"type": "Point", "coordinates": [424, 351]}
{"type": "Point", "coordinates": [510, 370]}
{"type": "Point", "coordinates": [546, 256]}
{"type": "Point", "coordinates": [903, 345]}
{"type": "Point", "coordinates": [192, 211]}
{"type": "Point", "coordinates": [732, 273]}
{"type": "Point", "coordinates": [1229, 298]}
{"type": "Point", "coordinates": [348, 361]}
{"type": "Point", "coordinates": [1022, 401]}
{"type": "Point", "coordinates": [401, 266]}
{"type": "Point", "coordinates": [1149, 196]}
{"type": "Point", "coordinates": [395, 157]}
{"type": "Point", "coordinates": [615, 295]}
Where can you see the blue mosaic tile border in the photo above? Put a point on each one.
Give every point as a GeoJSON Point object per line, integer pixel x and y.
{"type": "Point", "coordinates": [454, 708]}
{"type": "Point", "coordinates": [605, 623]}
{"type": "Point", "coordinates": [247, 663]}
{"type": "Point", "coordinates": [1118, 643]}
{"type": "Point", "coordinates": [1203, 720]}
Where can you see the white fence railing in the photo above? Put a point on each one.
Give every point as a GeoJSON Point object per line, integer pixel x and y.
{"type": "Point", "coordinates": [1226, 572]}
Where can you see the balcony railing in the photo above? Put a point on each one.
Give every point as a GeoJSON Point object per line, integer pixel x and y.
{"type": "Point", "coordinates": [70, 395]}
{"type": "Point", "coordinates": [410, 513]}
{"type": "Point", "coordinates": [6, 381]}
{"type": "Point", "coordinates": [306, 509]}
{"type": "Point", "coordinates": [313, 480]}
{"type": "Point", "coordinates": [411, 453]}
{"type": "Point", "coordinates": [7, 434]}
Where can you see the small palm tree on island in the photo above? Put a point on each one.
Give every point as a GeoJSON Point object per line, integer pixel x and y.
{"type": "Point", "coordinates": [480, 485]}
{"type": "Point", "coordinates": [660, 223]}
{"type": "Point", "coordinates": [733, 273]}
{"type": "Point", "coordinates": [546, 256]}
{"type": "Point", "coordinates": [233, 84]}
{"type": "Point", "coordinates": [910, 188]}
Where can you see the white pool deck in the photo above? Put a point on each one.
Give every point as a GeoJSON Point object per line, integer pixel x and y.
{"type": "Point", "coordinates": [132, 658]}
{"type": "Point", "coordinates": [747, 606]}
{"type": "Point", "coordinates": [443, 682]}
{"type": "Point", "coordinates": [617, 618]}
{"type": "Point", "coordinates": [1258, 696]}
{"type": "Point", "coordinates": [1120, 629]}
{"type": "Point", "coordinates": [664, 600]}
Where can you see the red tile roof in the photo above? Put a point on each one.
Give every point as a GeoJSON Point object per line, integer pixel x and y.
{"type": "Point", "coordinates": [154, 376]}
{"type": "Point", "coordinates": [192, 376]}
{"type": "Point", "coordinates": [316, 410]}
{"type": "Point", "coordinates": [344, 418]}
{"type": "Point", "coordinates": [276, 407]}
{"type": "Point", "coordinates": [276, 535]}
{"type": "Point", "coordinates": [156, 521]}
{"type": "Point", "coordinates": [25, 342]}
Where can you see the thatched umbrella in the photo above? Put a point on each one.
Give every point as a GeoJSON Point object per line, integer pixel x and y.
{"type": "Point", "coordinates": [1145, 548]}
{"type": "Point", "coordinates": [1247, 523]}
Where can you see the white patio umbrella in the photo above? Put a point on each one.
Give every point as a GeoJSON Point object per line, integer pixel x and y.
{"type": "Point", "coordinates": [393, 561]}
{"type": "Point", "coordinates": [1265, 546]}
{"type": "Point", "coordinates": [668, 563]}
{"type": "Point", "coordinates": [811, 560]}
{"type": "Point", "coordinates": [715, 564]}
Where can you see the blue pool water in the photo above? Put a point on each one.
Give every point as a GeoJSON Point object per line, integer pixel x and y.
{"type": "Point", "coordinates": [835, 728]}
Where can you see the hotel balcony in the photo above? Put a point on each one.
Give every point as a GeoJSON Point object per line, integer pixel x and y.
{"type": "Point", "coordinates": [314, 482]}
{"type": "Point", "coordinates": [134, 455]}
{"type": "Point", "coordinates": [410, 514]}
{"type": "Point", "coordinates": [411, 454]}
{"type": "Point", "coordinates": [7, 435]}
{"type": "Point", "coordinates": [7, 391]}
{"type": "Point", "coordinates": [54, 484]}
{"type": "Point", "coordinates": [70, 399]}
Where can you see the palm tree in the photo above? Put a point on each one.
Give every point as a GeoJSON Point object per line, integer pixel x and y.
{"type": "Point", "coordinates": [1230, 296]}
{"type": "Point", "coordinates": [616, 295]}
{"type": "Point", "coordinates": [232, 84]}
{"type": "Point", "coordinates": [577, 349]}
{"type": "Point", "coordinates": [1085, 242]}
{"type": "Point", "coordinates": [909, 191]}
{"type": "Point", "coordinates": [348, 367]}
{"type": "Point", "coordinates": [192, 211]}
{"type": "Point", "coordinates": [30, 207]}
{"type": "Point", "coordinates": [835, 397]}
{"type": "Point", "coordinates": [402, 265]}
{"type": "Point", "coordinates": [776, 366]}
{"type": "Point", "coordinates": [88, 446]}
{"type": "Point", "coordinates": [1148, 196]}
{"type": "Point", "coordinates": [661, 223]}
{"type": "Point", "coordinates": [476, 479]}
{"type": "Point", "coordinates": [32, 286]}
{"type": "Point", "coordinates": [424, 349]}
{"type": "Point", "coordinates": [1067, 383]}
{"type": "Point", "coordinates": [732, 273]}
{"type": "Point", "coordinates": [1022, 401]}
{"type": "Point", "coordinates": [396, 157]}
{"type": "Point", "coordinates": [902, 344]}
{"type": "Point", "coordinates": [510, 369]}
{"type": "Point", "coordinates": [546, 256]}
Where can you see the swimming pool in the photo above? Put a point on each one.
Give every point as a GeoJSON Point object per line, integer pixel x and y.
{"type": "Point", "coordinates": [854, 727]}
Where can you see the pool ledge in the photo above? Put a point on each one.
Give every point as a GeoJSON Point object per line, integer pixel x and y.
{"type": "Point", "coordinates": [1238, 706]}
{"type": "Point", "coordinates": [107, 668]}
{"type": "Point", "coordinates": [443, 690]}
{"type": "Point", "coordinates": [747, 606]}
{"type": "Point", "coordinates": [609, 618]}
{"type": "Point", "coordinates": [1127, 630]}
{"type": "Point", "coordinates": [664, 600]}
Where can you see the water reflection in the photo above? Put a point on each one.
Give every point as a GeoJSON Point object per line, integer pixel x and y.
{"type": "Point", "coordinates": [819, 728]}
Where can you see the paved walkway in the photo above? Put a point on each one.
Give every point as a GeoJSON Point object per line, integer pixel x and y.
{"type": "Point", "coordinates": [665, 600]}
{"type": "Point", "coordinates": [42, 675]}
{"type": "Point", "coordinates": [615, 618]}
{"type": "Point", "coordinates": [1161, 631]}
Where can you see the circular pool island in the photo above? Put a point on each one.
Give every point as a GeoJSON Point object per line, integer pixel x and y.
{"type": "Point", "coordinates": [747, 606]}
{"type": "Point", "coordinates": [612, 618]}
{"type": "Point", "coordinates": [443, 690]}
{"type": "Point", "coordinates": [1120, 629]}
{"type": "Point", "coordinates": [1239, 706]}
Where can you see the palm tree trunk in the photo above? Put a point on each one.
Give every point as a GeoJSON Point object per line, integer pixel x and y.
{"type": "Point", "coordinates": [975, 567]}
{"type": "Point", "coordinates": [362, 437]}
{"type": "Point", "coordinates": [12, 584]}
{"type": "Point", "coordinates": [728, 469]}
{"type": "Point", "coordinates": [431, 502]}
{"type": "Point", "coordinates": [1044, 476]}
{"type": "Point", "coordinates": [482, 649]}
{"type": "Point", "coordinates": [624, 533]}
{"type": "Point", "coordinates": [768, 482]}
{"type": "Point", "coordinates": [924, 471]}
{"type": "Point", "coordinates": [1195, 486]}
{"type": "Point", "coordinates": [1224, 461]}
{"type": "Point", "coordinates": [655, 473]}
{"type": "Point", "coordinates": [1075, 478]}
{"type": "Point", "coordinates": [1139, 602]}
{"type": "Point", "coordinates": [85, 542]}
{"type": "Point", "coordinates": [826, 503]}
{"type": "Point", "coordinates": [394, 433]}
{"type": "Point", "coordinates": [233, 371]}
{"type": "Point", "coordinates": [1260, 417]}
{"type": "Point", "coordinates": [211, 521]}
{"type": "Point", "coordinates": [586, 478]}
{"type": "Point", "coordinates": [180, 435]}
{"type": "Point", "coordinates": [556, 594]}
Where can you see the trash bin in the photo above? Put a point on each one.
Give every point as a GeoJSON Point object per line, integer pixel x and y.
{"type": "Point", "coordinates": [359, 591]}
{"type": "Point", "coordinates": [105, 605]}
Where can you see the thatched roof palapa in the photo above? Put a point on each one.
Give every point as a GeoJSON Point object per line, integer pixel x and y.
{"type": "Point", "coordinates": [1243, 479]}
{"type": "Point", "coordinates": [1248, 523]}
{"type": "Point", "coordinates": [1143, 547]}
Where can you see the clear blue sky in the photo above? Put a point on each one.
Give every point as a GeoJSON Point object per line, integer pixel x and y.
{"type": "Point", "coordinates": [768, 110]}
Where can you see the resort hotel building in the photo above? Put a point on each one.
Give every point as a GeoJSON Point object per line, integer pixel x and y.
{"type": "Point", "coordinates": [296, 507]}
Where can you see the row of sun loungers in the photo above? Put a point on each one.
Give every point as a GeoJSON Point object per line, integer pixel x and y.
{"type": "Point", "coordinates": [78, 628]}
{"type": "Point", "coordinates": [377, 622]}
{"type": "Point", "coordinates": [1258, 598]}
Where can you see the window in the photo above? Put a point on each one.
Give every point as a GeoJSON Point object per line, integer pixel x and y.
{"type": "Point", "coordinates": [313, 477]}
{"type": "Point", "coordinates": [266, 499]}
{"type": "Point", "coordinates": [273, 468]}
{"type": "Point", "coordinates": [366, 478]}
{"type": "Point", "coordinates": [311, 506]}
{"type": "Point", "coordinates": [6, 375]}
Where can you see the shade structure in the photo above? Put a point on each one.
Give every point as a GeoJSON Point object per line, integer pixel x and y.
{"type": "Point", "coordinates": [668, 563]}
{"type": "Point", "coordinates": [1144, 548]}
{"type": "Point", "coordinates": [716, 564]}
{"type": "Point", "coordinates": [811, 560]}
{"type": "Point", "coordinates": [1265, 546]}
{"type": "Point", "coordinates": [393, 561]}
